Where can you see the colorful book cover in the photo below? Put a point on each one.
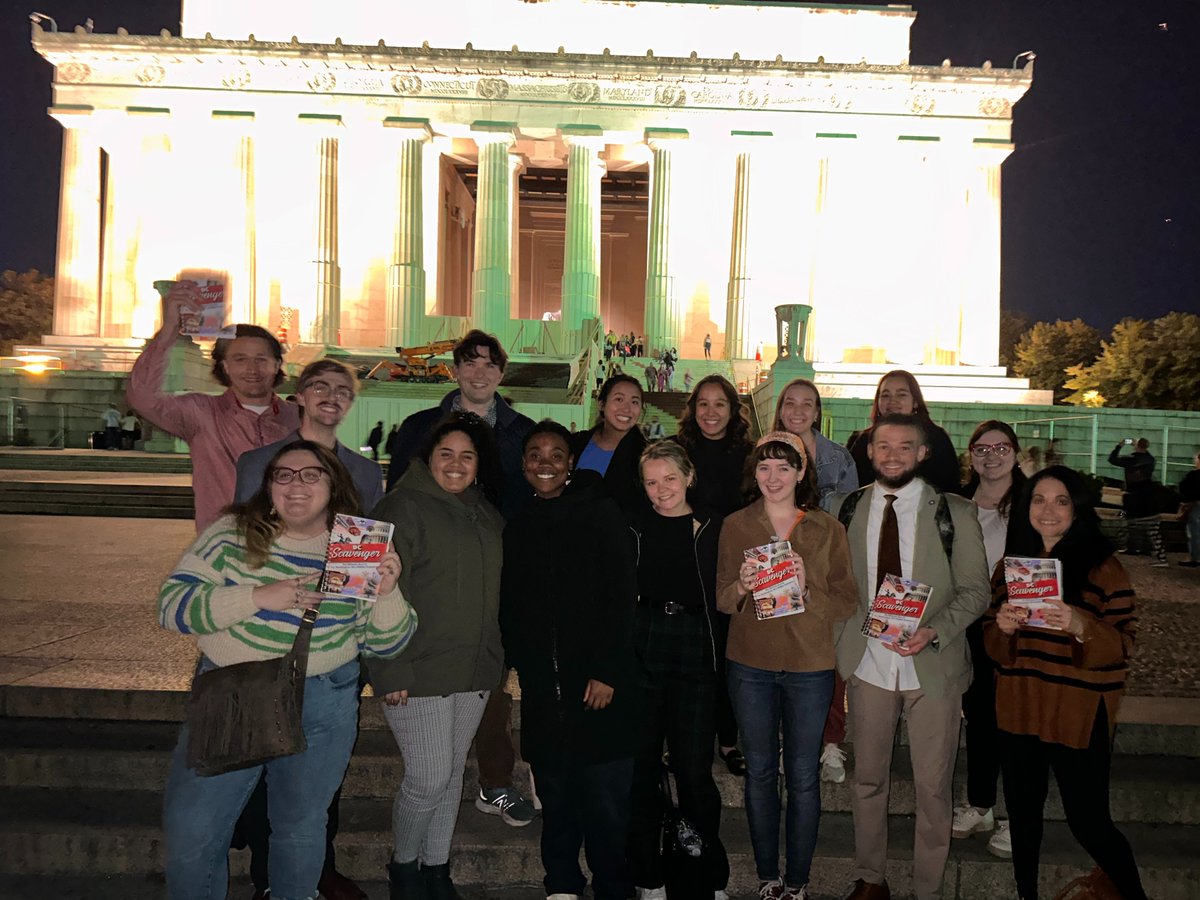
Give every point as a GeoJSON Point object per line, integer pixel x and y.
{"type": "Point", "coordinates": [897, 610]}
{"type": "Point", "coordinates": [1032, 584]}
{"type": "Point", "coordinates": [777, 590]}
{"type": "Point", "coordinates": [356, 547]}
{"type": "Point", "coordinates": [209, 314]}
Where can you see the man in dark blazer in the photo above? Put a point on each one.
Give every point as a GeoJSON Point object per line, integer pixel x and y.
{"type": "Point", "coordinates": [934, 539]}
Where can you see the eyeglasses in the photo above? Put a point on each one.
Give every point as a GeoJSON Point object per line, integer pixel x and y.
{"type": "Point", "coordinates": [309, 474]}
{"type": "Point", "coordinates": [1001, 449]}
{"type": "Point", "coordinates": [321, 389]}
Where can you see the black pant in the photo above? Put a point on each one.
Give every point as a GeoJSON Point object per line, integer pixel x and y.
{"type": "Point", "coordinates": [586, 805]}
{"type": "Point", "coordinates": [727, 728]}
{"type": "Point", "coordinates": [680, 709]}
{"type": "Point", "coordinates": [979, 709]}
{"type": "Point", "coordinates": [1082, 777]}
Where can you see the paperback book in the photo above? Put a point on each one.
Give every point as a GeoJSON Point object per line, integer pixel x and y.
{"type": "Point", "coordinates": [777, 589]}
{"type": "Point", "coordinates": [897, 610]}
{"type": "Point", "coordinates": [356, 547]}
{"type": "Point", "coordinates": [209, 310]}
{"type": "Point", "coordinates": [1032, 584]}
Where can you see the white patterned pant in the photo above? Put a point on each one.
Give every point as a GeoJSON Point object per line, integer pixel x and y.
{"type": "Point", "coordinates": [434, 735]}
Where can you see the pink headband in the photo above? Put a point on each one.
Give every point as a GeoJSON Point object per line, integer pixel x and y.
{"type": "Point", "coordinates": [785, 437]}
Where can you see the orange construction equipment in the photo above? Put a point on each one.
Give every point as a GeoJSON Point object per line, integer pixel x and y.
{"type": "Point", "coordinates": [414, 364]}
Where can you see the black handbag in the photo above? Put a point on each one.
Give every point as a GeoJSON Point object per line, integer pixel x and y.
{"type": "Point", "coordinates": [685, 865]}
{"type": "Point", "coordinates": [249, 713]}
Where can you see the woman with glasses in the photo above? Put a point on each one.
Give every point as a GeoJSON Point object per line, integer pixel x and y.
{"type": "Point", "coordinates": [242, 589]}
{"type": "Point", "coordinates": [448, 537]}
{"type": "Point", "coordinates": [996, 481]}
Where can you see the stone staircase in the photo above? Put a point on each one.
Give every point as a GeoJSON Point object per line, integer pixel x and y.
{"type": "Point", "coordinates": [82, 772]}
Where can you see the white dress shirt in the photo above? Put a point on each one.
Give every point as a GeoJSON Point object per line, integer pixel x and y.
{"type": "Point", "coordinates": [880, 666]}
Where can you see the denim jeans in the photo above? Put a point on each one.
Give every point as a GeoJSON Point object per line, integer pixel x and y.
{"type": "Point", "coordinates": [199, 812]}
{"type": "Point", "coordinates": [795, 703]}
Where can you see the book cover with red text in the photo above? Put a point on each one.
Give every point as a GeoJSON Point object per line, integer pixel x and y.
{"type": "Point", "coordinates": [356, 547]}
{"type": "Point", "coordinates": [897, 609]}
{"type": "Point", "coordinates": [776, 583]}
{"type": "Point", "coordinates": [1033, 584]}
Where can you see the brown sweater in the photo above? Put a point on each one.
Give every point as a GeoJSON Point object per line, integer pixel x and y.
{"type": "Point", "coordinates": [799, 643]}
{"type": "Point", "coordinates": [1049, 684]}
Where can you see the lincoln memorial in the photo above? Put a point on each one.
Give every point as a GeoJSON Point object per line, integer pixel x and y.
{"type": "Point", "coordinates": [375, 173]}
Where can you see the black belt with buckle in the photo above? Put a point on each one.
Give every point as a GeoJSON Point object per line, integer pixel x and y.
{"type": "Point", "coordinates": [671, 608]}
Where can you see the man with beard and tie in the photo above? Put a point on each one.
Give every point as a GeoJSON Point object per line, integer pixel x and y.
{"type": "Point", "coordinates": [901, 525]}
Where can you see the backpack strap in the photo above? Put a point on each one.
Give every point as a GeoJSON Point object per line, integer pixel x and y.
{"type": "Point", "coordinates": [941, 516]}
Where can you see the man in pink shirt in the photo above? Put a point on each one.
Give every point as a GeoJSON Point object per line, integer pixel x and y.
{"type": "Point", "coordinates": [218, 428]}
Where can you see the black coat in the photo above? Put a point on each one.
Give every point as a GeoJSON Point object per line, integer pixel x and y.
{"type": "Point", "coordinates": [567, 596]}
{"type": "Point", "coordinates": [940, 467]}
{"type": "Point", "coordinates": [623, 480]}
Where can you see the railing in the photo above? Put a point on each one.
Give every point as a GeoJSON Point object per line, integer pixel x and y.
{"type": "Point", "coordinates": [1064, 454]}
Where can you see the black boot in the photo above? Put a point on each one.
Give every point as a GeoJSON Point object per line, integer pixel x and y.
{"type": "Point", "coordinates": [405, 881]}
{"type": "Point", "coordinates": [438, 885]}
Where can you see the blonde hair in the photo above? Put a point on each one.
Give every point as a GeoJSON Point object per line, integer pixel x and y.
{"type": "Point", "coordinates": [670, 452]}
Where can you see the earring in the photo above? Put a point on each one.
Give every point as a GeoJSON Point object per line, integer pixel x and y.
{"type": "Point", "coordinates": [273, 514]}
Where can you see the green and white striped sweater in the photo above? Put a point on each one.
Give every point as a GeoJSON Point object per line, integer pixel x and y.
{"type": "Point", "coordinates": [209, 595]}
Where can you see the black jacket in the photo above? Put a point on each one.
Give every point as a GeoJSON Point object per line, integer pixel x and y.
{"type": "Point", "coordinates": [687, 642]}
{"type": "Point", "coordinates": [510, 430]}
{"type": "Point", "coordinates": [622, 481]}
{"type": "Point", "coordinates": [940, 467]}
{"type": "Point", "coordinates": [567, 597]}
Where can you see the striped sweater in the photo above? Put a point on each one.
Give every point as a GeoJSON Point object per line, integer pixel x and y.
{"type": "Point", "coordinates": [210, 595]}
{"type": "Point", "coordinates": [1051, 685]}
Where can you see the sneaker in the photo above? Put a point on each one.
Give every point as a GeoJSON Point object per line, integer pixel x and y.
{"type": "Point", "coordinates": [1001, 843]}
{"type": "Point", "coordinates": [658, 893]}
{"type": "Point", "coordinates": [720, 895]}
{"type": "Point", "coordinates": [689, 839]}
{"type": "Point", "coordinates": [771, 890]}
{"type": "Point", "coordinates": [508, 804]}
{"type": "Point", "coordinates": [968, 820]}
{"type": "Point", "coordinates": [833, 764]}
{"type": "Point", "coordinates": [796, 893]}
{"type": "Point", "coordinates": [563, 897]}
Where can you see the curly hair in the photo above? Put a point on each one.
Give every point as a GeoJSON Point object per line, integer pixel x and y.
{"type": "Point", "coordinates": [488, 472]}
{"type": "Point", "coordinates": [259, 524]}
{"type": "Point", "coordinates": [739, 420]}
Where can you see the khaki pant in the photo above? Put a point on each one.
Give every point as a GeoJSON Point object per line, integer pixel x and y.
{"type": "Point", "coordinates": [933, 725]}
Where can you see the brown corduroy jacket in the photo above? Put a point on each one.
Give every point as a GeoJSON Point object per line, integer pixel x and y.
{"type": "Point", "coordinates": [798, 643]}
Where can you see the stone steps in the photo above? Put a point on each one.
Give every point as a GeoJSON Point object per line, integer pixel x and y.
{"type": "Point", "coordinates": [95, 461]}
{"type": "Point", "coordinates": [61, 498]}
{"type": "Point", "coordinates": [117, 833]}
{"type": "Point", "coordinates": [82, 771]}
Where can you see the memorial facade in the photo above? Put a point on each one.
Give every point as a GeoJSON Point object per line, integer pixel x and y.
{"type": "Point", "coordinates": [365, 174]}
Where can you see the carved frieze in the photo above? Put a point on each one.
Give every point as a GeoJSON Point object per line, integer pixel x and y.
{"type": "Point", "coordinates": [512, 78]}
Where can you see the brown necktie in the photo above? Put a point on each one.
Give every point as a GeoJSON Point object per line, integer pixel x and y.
{"type": "Point", "coordinates": [888, 562]}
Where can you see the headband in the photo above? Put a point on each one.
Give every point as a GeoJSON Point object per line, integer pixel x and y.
{"type": "Point", "coordinates": [785, 437]}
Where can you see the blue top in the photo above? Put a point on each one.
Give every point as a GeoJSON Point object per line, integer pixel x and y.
{"type": "Point", "coordinates": [594, 458]}
{"type": "Point", "coordinates": [365, 473]}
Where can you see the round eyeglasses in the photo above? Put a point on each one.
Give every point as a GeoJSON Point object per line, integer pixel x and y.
{"type": "Point", "coordinates": [1000, 448]}
{"type": "Point", "coordinates": [323, 389]}
{"type": "Point", "coordinates": [309, 474]}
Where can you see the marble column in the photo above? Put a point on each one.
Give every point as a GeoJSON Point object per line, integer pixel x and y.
{"type": "Point", "coordinates": [491, 286]}
{"type": "Point", "coordinates": [118, 284]}
{"type": "Point", "coordinates": [77, 270]}
{"type": "Point", "coordinates": [244, 303]}
{"type": "Point", "coordinates": [405, 304]}
{"type": "Point", "coordinates": [581, 253]}
{"type": "Point", "coordinates": [662, 322]}
{"type": "Point", "coordinates": [737, 300]}
{"type": "Point", "coordinates": [980, 313]}
{"type": "Point", "coordinates": [326, 318]}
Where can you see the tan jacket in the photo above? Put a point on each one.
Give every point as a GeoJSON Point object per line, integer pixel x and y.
{"type": "Point", "coordinates": [799, 643]}
{"type": "Point", "coordinates": [961, 591]}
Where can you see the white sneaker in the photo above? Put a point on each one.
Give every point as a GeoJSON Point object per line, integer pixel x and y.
{"type": "Point", "coordinates": [720, 895]}
{"type": "Point", "coordinates": [1001, 843]}
{"type": "Point", "coordinates": [563, 897]}
{"type": "Point", "coordinates": [968, 820]}
{"type": "Point", "coordinates": [658, 893]}
{"type": "Point", "coordinates": [833, 764]}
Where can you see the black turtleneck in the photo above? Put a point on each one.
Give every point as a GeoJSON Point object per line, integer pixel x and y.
{"type": "Point", "coordinates": [720, 470]}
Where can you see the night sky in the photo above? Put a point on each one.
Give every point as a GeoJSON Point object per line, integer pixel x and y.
{"type": "Point", "coordinates": [1101, 197]}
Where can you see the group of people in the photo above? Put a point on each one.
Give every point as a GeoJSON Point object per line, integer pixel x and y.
{"type": "Point", "coordinates": [610, 573]}
{"type": "Point", "coordinates": [623, 345]}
